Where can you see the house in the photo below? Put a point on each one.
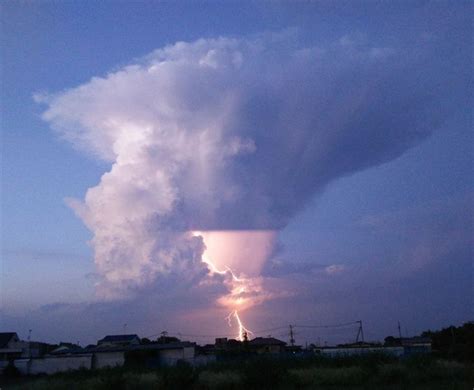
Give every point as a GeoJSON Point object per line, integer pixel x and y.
{"type": "Point", "coordinates": [416, 345]}
{"type": "Point", "coordinates": [11, 347]}
{"type": "Point", "coordinates": [162, 354]}
{"type": "Point", "coordinates": [221, 343]}
{"type": "Point", "coordinates": [66, 348]}
{"type": "Point", "coordinates": [51, 364]}
{"type": "Point", "coordinates": [148, 355]}
{"type": "Point", "coordinates": [358, 350]}
{"type": "Point", "coordinates": [267, 345]}
{"type": "Point", "coordinates": [37, 349]}
{"type": "Point", "coordinates": [120, 340]}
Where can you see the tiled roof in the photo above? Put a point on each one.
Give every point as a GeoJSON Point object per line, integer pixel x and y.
{"type": "Point", "coordinates": [142, 347]}
{"type": "Point", "coordinates": [119, 337]}
{"type": "Point", "coordinates": [266, 341]}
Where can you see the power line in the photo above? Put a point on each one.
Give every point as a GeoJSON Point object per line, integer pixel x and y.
{"type": "Point", "coordinates": [262, 331]}
{"type": "Point", "coordinates": [327, 326]}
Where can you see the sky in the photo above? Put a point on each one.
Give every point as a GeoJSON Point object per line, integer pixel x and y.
{"type": "Point", "coordinates": [166, 164]}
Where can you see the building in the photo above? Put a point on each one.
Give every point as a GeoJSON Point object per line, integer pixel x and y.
{"type": "Point", "coordinates": [341, 351]}
{"type": "Point", "coordinates": [416, 345]}
{"type": "Point", "coordinates": [266, 345]}
{"type": "Point", "coordinates": [148, 355]}
{"type": "Point", "coordinates": [11, 347]}
{"type": "Point", "coordinates": [120, 340]}
{"type": "Point", "coordinates": [66, 348]}
{"type": "Point", "coordinates": [51, 364]}
{"type": "Point", "coordinates": [102, 356]}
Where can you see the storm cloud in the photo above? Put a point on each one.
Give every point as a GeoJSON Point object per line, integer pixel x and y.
{"type": "Point", "coordinates": [234, 134]}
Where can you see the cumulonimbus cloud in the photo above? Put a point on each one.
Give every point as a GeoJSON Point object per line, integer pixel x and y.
{"type": "Point", "coordinates": [232, 134]}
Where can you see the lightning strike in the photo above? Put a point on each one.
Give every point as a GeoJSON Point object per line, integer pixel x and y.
{"type": "Point", "coordinates": [236, 298]}
{"type": "Point", "coordinates": [243, 331]}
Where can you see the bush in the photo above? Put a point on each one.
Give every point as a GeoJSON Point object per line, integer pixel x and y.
{"type": "Point", "coordinates": [11, 371]}
{"type": "Point", "coordinates": [264, 373]}
{"type": "Point", "coordinates": [111, 379]}
{"type": "Point", "coordinates": [392, 373]}
{"type": "Point", "coordinates": [220, 380]}
{"type": "Point", "coordinates": [330, 376]}
{"type": "Point", "coordinates": [181, 376]}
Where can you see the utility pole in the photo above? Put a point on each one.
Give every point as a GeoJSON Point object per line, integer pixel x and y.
{"type": "Point", "coordinates": [399, 331]}
{"type": "Point", "coordinates": [292, 339]}
{"type": "Point", "coordinates": [29, 343]}
{"type": "Point", "coordinates": [453, 340]}
{"type": "Point", "coordinates": [360, 332]}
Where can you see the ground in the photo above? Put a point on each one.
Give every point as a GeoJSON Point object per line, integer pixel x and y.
{"type": "Point", "coordinates": [374, 372]}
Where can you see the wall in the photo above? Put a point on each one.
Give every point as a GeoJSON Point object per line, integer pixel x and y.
{"type": "Point", "coordinates": [188, 352]}
{"type": "Point", "coordinates": [269, 349]}
{"type": "Point", "coordinates": [332, 352]}
{"type": "Point", "coordinates": [202, 360]}
{"type": "Point", "coordinates": [51, 365]}
{"type": "Point", "coordinates": [108, 359]}
{"type": "Point", "coordinates": [169, 357]}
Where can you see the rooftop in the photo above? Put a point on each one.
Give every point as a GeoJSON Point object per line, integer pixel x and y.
{"type": "Point", "coordinates": [119, 337]}
{"type": "Point", "coordinates": [266, 341]}
{"type": "Point", "coordinates": [5, 338]}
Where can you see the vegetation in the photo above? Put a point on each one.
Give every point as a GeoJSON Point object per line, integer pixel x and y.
{"type": "Point", "coordinates": [451, 342]}
{"type": "Point", "coordinates": [372, 372]}
{"type": "Point", "coordinates": [450, 366]}
{"type": "Point", "coordinates": [454, 342]}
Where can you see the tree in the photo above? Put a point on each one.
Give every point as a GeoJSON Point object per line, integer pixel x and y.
{"type": "Point", "coordinates": [391, 341]}
{"type": "Point", "coordinates": [165, 339]}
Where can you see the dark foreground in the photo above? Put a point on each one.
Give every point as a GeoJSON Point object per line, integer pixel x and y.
{"type": "Point", "coordinates": [372, 372]}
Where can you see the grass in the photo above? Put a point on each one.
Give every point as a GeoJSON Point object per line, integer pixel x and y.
{"type": "Point", "coordinates": [265, 373]}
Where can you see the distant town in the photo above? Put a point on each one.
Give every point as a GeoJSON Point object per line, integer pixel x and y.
{"type": "Point", "coordinates": [33, 357]}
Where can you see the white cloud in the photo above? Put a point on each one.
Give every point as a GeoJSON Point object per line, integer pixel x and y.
{"type": "Point", "coordinates": [229, 134]}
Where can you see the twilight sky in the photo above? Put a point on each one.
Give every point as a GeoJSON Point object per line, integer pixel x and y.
{"type": "Point", "coordinates": [164, 165]}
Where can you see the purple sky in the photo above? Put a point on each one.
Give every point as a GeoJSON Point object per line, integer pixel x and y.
{"type": "Point", "coordinates": [332, 142]}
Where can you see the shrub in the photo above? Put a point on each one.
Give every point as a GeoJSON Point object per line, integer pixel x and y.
{"type": "Point", "coordinates": [330, 376]}
{"type": "Point", "coordinates": [11, 371]}
{"type": "Point", "coordinates": [264, 373]}
{"type": "Point", "coordinates": [220, 380]}
{"type": "Point", "coordinates": [392, 373]}
{"type": "Point", "coordinates": [181, 376]}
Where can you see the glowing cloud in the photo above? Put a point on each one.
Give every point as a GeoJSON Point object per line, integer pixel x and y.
{"type": "Point", "coordinates": [230, 138]}
{"type": "Point", "coordinates": [242, 251]}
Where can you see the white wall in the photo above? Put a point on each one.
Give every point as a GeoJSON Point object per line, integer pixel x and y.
{"type": "Point", "coordinates": [202, 360]}
{"type": "Point", "coordinates": [109, 359]}
{"type": "Point", "coordinates": [51, 365]}
{"type": "Point", "coordinates": [188, 352]}
{"type": "Point", "coordinates": [332, 352]}
{"type": "Point", "coordinates": [170, 357]}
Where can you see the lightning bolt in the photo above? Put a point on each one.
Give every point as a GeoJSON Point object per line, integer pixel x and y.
{"type": "Point", "coordinates": [243, 331]}
{"type": "Point", "coordinates": [238, 286]}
